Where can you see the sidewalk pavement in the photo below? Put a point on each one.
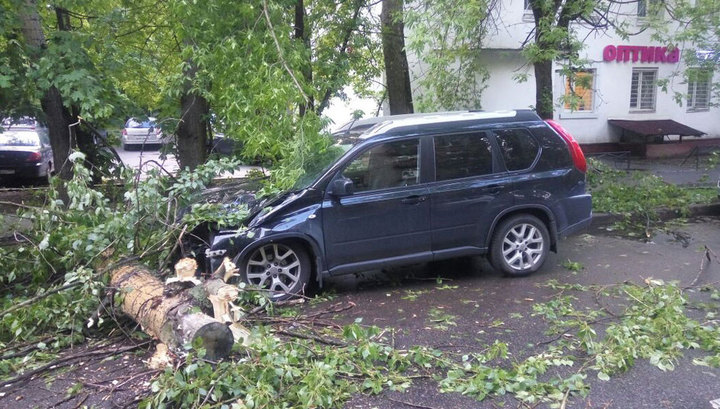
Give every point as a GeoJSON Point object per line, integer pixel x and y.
{"type": "Point", "coordinates": [673, 170]}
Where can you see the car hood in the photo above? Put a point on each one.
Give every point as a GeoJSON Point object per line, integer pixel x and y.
{"type": "Point", "coordinates": [245, 194]}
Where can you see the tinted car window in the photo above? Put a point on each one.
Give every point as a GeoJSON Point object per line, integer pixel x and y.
{"type": "Point", "coordinates": [460, 156]}
{"type": "Point", "coordinates": [518, 148]}
{"type": "Point", "coordinates": [384, 166]}
{"type": "Point", "coordinates": [555, 153]}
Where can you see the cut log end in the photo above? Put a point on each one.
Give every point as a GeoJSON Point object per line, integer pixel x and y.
{"type": "Point", "coordinates": [217, 340]}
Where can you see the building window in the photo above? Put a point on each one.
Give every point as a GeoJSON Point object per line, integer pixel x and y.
{"type": "Point", "coordinates": [642, 89]}
{"type": "Point", "coordinates": [698, 90]}
{"type": "Point", "coordinates": [649, 7]}
{"type": "Point", "coordinates": [580, 91]}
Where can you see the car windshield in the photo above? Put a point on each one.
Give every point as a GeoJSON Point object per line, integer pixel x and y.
{"type": "Point", "coordinates": [10, 138]}
{"type": "Point", "coordinates": [136, 123]}
{"type": "Point", "coordinates": [317, 165]}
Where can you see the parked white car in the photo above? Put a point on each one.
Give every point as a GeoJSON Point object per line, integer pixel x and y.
{"type": "Point", "coordinates": [141, 133]}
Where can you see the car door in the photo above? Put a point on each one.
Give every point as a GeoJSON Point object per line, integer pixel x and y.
{"type": "Point", "coordinates": [467, 194]}
{"type": "Point", "coordinates": [386, 219]}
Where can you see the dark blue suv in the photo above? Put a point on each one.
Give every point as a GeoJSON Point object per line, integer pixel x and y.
{"type": "Point", "coordinates": [411, 190]}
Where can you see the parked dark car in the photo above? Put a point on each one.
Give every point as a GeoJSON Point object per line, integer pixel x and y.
{"type": "Point", "coordinates": [25, 151]}
{"type": "Point", "coordinates": [503, 184]}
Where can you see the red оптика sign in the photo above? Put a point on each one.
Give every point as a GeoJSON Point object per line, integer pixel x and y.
{"type": "Point", "coordinates": [635, 53]}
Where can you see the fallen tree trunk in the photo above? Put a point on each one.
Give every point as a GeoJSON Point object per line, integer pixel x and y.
{"type": "Point", "coordinates": [171, 318]}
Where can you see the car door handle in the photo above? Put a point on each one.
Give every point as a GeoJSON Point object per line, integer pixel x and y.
{"type": "Point", "coordinates": [494, 188]}
{"type": "Point", "coordinates": [415, 199]}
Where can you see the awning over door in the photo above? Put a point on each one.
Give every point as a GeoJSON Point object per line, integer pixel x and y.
{"type": "Point", "coordinates": [656, 127]}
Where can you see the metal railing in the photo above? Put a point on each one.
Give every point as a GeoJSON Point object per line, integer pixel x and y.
{"type": "Point", "coordinates": [617, 157]}
{"type": "Point", "coordinates": [698, 151]}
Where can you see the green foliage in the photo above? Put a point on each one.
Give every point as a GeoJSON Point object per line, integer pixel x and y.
{"type": "Point", "coordinates": [441, 319]}
{"type": "Point", "coordinates": [276, 373]}
{"type": "Point", "coordinates": [572, 265]}
{"type": "Point", "coordinates": [448, 36]}
{"type": "Point", "coordinates": [69, 245]}
{"type": "Point", "coordinates": [639, 193]}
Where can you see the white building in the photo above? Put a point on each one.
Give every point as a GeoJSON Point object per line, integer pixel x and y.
{"type": "Point", "coordinates": [623, 73]}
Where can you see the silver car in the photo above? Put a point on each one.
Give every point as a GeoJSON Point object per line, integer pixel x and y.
{"type": "Point", "coordinates": [141, 132]}
{"type": "Point", "coordinates": [25, 151]}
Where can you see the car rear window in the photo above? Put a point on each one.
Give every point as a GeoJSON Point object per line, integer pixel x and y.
{"type": "Point", "coordinates": [460, 156]}
{"type": "Point", "coordinates": [10, 138]}
{"type": "Point", "coordinates": [136, 123]}
{"type": "Point", "coordinates": [517, 147]}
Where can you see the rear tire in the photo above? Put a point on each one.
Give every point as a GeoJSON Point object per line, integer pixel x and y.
{"type": "Point", "coordinates": [520, 245]}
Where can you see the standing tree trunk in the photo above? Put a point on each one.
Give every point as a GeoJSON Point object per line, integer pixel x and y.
{"type": "Point", "coordinates": [192, 129]}
{"type": "Point", "coordinates": [552, 21]}
{"type": "Point", "coordinates": [57, 115]}
{"type": "Point", "coordinates": [396, 65]}
{"type": "Point", "coordinates": [543, 89]}
{"type": "Point", "coordinates": [301, 34]}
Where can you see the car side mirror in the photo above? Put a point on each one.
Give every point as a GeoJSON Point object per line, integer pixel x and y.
{"type": "Point", "coordinates": [342, 187]}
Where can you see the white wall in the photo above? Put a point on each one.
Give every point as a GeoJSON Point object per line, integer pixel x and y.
{"type": "Point", "coordinates": [612, 81]}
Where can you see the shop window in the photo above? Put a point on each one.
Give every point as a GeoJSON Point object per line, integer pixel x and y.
{"type": "Point", "coordinates": [698, 98]}
{"type": "Point", "coordinates": [643, 89]}
{"type": "Point", "coordinates": [580, 92]}
{"type": "Point", "coordinates": [461, 156]}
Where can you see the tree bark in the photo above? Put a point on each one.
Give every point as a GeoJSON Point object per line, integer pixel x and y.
{"type": "Point", "coordinates": [192, 130]}
{"type": "Point", "coordinates": [57, 115]}
{"type": "Point", "coordinates": [397, 74]}
{"type": "Point", "coordinates": [169, 318]}
{"type": "Point", "coordinates": [543, 89]}
{"type": "Point", "coordinates": [301, 34]}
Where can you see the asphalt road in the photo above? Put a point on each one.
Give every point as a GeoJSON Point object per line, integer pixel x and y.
{"type": "Point", "coordinates": [489, 307]}
{"type": "Point", "coordinates": [151, 158]}
{"type": "Point", "coordinates": [485, 307]}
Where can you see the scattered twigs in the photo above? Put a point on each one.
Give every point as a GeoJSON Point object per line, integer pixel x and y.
{"type": "Point", "coordinates": [68, 399]}
{"type": "Point", "coordinates": [68, 360]}
{"type": "Point", "coordinates": [311, 337]}
{"type": "Point", "coordinates": [604, 307]}
{"type": "Point", "coordinates": [333, 309]}
{"type": "Point", "coordinates": [113, 388]}
{"type": "Point", "coordinates": [704, 262]}
{"type": "Point", "coordinates": [414, 405]}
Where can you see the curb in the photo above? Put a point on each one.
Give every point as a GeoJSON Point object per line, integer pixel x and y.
{"type": "Point", "coordinates": [711, 209]}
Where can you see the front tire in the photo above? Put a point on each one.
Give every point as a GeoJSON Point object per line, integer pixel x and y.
{"type": "Point", "coordinates": [520, 245]}
{"type": "Point", "coordinates": [283, 269]}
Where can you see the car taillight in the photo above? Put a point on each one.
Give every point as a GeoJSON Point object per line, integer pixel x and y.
{"type": "Point", "coordinates": [34, 157]}
{"type": "Point", "coordinates": [576, 152]}
{"type": "Point", "coordinates": [124, 132]}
